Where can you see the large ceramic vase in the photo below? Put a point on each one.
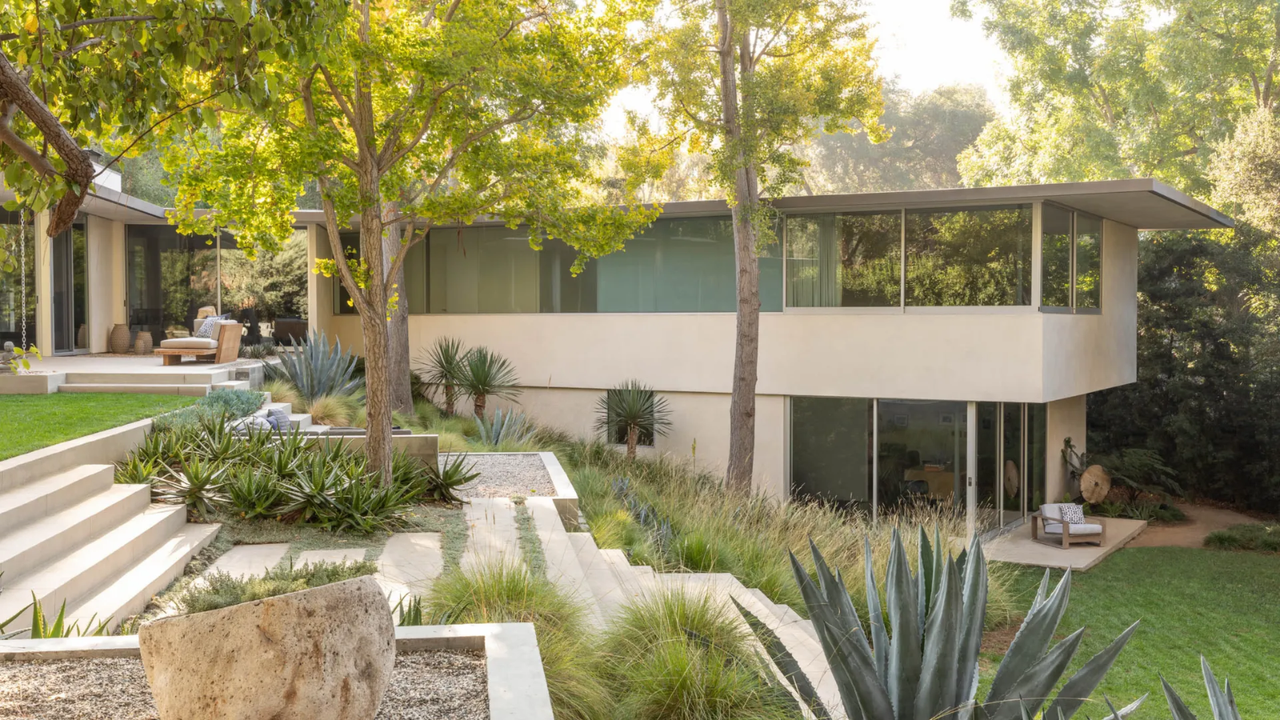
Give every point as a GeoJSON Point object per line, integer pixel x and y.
{"type": "Point", "coordinates": [118, 340]}
{"type": "Point", "coordinates": [142, 346]}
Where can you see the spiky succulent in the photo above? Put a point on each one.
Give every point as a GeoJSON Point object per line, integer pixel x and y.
{"type": "Point", "coordinates": [317, 368]}
{"type": "Point", "coordinates": [1221, 700]}
{"type": "Point", "coordinates": [923, 662]}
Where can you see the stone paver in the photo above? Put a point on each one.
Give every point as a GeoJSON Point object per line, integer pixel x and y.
{"type": "Point", "coordinates": [244, 561]}
{"type": "Point", "coordinates": [340, 555]}
{"type": "Point", "coordinates": [493, 536]}
{"type": "Point", "coordinates": [408, 564]}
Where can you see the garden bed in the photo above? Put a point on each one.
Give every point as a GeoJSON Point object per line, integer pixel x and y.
{"type": "Point", "coordinates": [428, 684]}
{"type": "Point", "coordinates": [507, 475]}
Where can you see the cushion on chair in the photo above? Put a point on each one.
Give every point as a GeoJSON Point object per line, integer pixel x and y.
{"type": "Point", "coordinates": [189, 343]}
{"type": "Point", "coordinates": [1076, 529]}
{"type": "Point", "coordinates": [1073, 514]}
{"type": "Point", "coordinates": [206, 328]}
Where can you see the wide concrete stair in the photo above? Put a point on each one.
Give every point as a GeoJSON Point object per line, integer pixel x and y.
{"type": "Point", "coordinates": [194, 382]}
{"type": "Point", "coordinates": [74, 536]}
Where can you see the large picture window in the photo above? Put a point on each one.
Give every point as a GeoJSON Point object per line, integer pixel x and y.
{"type": "Point", "coordinates": [970, 257]}
{"type": "Point", "coordinates": [1071, 260]}
{"type": "Point", "coordinates": [844, 260]}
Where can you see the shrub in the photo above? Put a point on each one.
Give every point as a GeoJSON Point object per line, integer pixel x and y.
{"type": "Point", "coordinates": [259, 351]}
{"type": "Point", "coordinates": [221, 590]}
{"type": "Point", "coordinates": [634, 409]}
{"type": "Point", "coordinates": [697, 552]}
{"type": "Point", "coordinates": [316, 368]}
{"type": "Point", "coordinates": [506, 593]}
{"type": "Point", "coordinates": [1249, 536]}
{"type": "Point", "coordinates": [681, 656]}
{"type": "Point", "coordinates": [439, 482]}
{"type": "Point", "coordinates": [136, 470]}
{"type": "Point", "coordinates": [335, 410]}
{"type": "Point", "coordinates": [220, 405]}
{"type": "Point", "coordinates": [283, 391]}
{"type": "Point", "coordinates": [197, 484]}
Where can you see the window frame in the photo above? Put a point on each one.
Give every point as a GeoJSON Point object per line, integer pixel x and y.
{"type": "Point", "coordinates": [1074, 308]}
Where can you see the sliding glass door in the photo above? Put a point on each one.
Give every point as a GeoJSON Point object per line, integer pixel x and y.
{"type": "Point", "coordinates": [70, 320]}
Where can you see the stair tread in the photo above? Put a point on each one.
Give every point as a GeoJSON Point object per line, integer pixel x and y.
{"type": "Point", "coordinates": [25, 538]}
{"type": "Point", "coordinates": [54, 576]}
{"type": "Point", "coordinates": [24, 495]}
{"type": "Point", "coordinates": [146, 577]}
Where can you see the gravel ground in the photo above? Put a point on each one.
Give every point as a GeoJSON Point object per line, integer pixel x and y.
{"type": "Point", "coordinates": [441, 684]}
{"type": "Point", "coordinates": [506, 475]}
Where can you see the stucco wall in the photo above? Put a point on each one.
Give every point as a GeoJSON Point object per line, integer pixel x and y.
{"type": "Point", "coordinates": [101, 269]}
{"type": "Point", "coordinates": [1065, 419]}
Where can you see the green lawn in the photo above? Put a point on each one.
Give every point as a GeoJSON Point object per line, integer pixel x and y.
{"type": "Point", "coordinates": [31, 422]}
{"type": "Point", "coordinates": [1223, 604]}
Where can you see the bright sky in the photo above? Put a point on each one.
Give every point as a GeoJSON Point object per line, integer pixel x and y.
{"type": "Point", "coordinates": [918, 42]}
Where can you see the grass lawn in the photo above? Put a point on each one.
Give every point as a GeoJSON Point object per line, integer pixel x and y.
{"type": "Point", "coordinates": [1222, 604]}
{"type": "Point", "coordinates": [31, 422]}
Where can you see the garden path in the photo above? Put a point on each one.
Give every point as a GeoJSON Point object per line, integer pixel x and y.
{"type": "Point", "coordinates": [244, 560]}
{"type": "Point", "coordinates": [493, 536]}
{"type": "Point", "coordinates": [1201, 520]}
{"type": "Point", "coordinates": [409, 563]}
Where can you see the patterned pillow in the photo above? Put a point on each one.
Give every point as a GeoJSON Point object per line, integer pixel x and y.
{"type": "Point", "coordinates": [206, 329]}
{"type": "Point", "coordinates": [279, 419]}
{"type": "Point", "coordinates": [1072, 514]}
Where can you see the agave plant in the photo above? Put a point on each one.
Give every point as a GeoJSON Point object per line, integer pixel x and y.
{"type": "Point", "coordinates": [510, 427]}
{"type": "Point", "coordinates": [1221, 699]}
{"type": "Point", "coordinates": [43, 629]}
{"type": "Point", "coordinates": [444, 479]}
{"type": "Point", "coordinates": [485, 373]}
{"type": "Point", "coordinates": [923, 663]}
{"type": "Point", "coordinates": [254, 494]}
{"type": "Point", "coordinates": [443, 369]}
{"type": "Point", "coordinates": [199, 485]}
{"type": "Point", "coordinates": [635, 409]}
{"type": "Point", "coordinates": [317, 368]}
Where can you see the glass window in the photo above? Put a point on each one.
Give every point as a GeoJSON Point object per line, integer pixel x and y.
{"type": "Point", "coordinates": [849, 260]}
{"type": "Point", "coordinates": [1037, 454]}
{"type": "Point", "coordinates": [831, 449]}
{"type": "Point", "coordinates": [1088, 261]}
{"type": "Point", "coordinates": [923, 451]}
{"type": "Point", "coordinates": [483, 270]}
{"type": "Point", "coordinates": [266, 290]}
{"type": "Point", "coordinates": [172, 279]}
{"type": "Point", "coordinates": [1055, 257]}
{"type": "Point", "coordinates": [971, 257]}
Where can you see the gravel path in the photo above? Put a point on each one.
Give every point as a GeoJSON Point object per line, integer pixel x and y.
{"type": "Point", "coordinates": [440, 684]}
{"type": "Point", "coordinates": [507, 475]}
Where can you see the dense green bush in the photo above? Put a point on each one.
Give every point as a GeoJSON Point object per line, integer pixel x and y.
{"type": "Point", "coordinates": [219, 590]}
{"type": "Point", "coordinates": [1249, 536]}
{"type": "Point", "coordinates": [219, 404]}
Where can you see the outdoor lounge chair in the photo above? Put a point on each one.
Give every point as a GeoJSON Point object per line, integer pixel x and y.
{"type": "Point", "coordinates": [224, 347]}
{"type": "Point", "coordinates": [1048, 527]}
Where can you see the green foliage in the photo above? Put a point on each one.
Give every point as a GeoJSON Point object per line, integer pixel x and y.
{"type": "Point", "coordinates": [316, 368]}
{"type": "Point", "coordinates": [254, 494]}
{"type": "Point", "coordinates": [681, 655]}
{"type": "Point", "coordinates": [506, 432]}
{"type": "Point", "coordinates": [258, 351]}
{"type": "Point", "coordinates": [924, 661]}
{"type": "Point", "coordinates": [633, 410]}
{"type": "Point", "coordinates": [486, 374]}
{"type": "Point", "coordinates": [21, 360]}
{"type": "Point", "coordinates": [447, 476]}
{"type": "Point", "coordinates": [508, 593]}
{"type": "Point", "coordinates": [442, 370]}
{"type": "Point", "coordinates": [197, 484]}
{"type": "Point", "coordinates": [282, 391]}
{"type": "Point", "coordinates": [218, 406]}
{"type": "Point", "coordinates": [1221, 700]}
{"type": "Point", "coordinates": [1249, 536]}
{"type": "Point", "coordinates": [37, 421]}
{"type": "Point", "coordinates": [221, 590]}
{"type": "Point", "coordinates": [136, 470]}
{"type": "Point", "coordinates": [43, 629]}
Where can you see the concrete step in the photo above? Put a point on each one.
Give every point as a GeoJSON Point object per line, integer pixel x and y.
{"type": "Point", "coordinates": [301, 421]}
{"type": "Point", "coordinates": [561, 556]}
{"type": "Point", "coordinates": [139, 389]}
{"type": "Point", "coordinates": [80, 573]}
{"type": "Point", "coordinates": [193, 376]}
{"type": "Point", "coordinates": [34, 545]}
{"type": "Point", "coordinates": [493, 535]}
{"type": "Point", "coordinates": [601, 579]}
{"type": "Point", "coordinates": [130, 592]}
{"type": "Point", "coordinates": [30, 502]}
{"type": "Point", "coordinates": [232, 385]}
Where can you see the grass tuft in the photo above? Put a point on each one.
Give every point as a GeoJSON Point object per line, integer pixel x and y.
{"type": "Point", "coordinates": [1248, 536]}
{"type": "Point", "coordinates": [283, 391]}
{"type": "Point", "coordinates": [221, 590]}
{"type": "Point", "coordinates": [334, 410]}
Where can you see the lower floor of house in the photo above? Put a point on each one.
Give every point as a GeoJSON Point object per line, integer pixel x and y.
{"type": "Point", "coordinates": [995, 462]}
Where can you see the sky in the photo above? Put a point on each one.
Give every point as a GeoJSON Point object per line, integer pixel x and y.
{"type": "Point", "coordinates": [918, 42]}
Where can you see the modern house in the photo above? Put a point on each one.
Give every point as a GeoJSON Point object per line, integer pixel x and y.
{"type": "Point", "coordinates": [932, 344]}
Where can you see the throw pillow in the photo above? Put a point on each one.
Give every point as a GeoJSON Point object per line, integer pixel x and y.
{"type": "Point", "coordinates": [1073, 514]}
{"type": "Point", "coordinates": [206, 329]}
{"type": "Point", "coordinates": [278, 418]}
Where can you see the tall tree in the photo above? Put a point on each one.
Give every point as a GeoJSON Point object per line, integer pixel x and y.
{"type": "Point", "coordinates": [102, 73]}
{"type": "Point", "coordinates": [416, 114]}
{"type": "Point", "coordinates": [747, 80]}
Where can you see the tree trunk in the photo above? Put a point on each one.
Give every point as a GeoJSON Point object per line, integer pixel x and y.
{"type": "Point", "coordinates": [480, 406]}
{"type": "Point", "coordinates": [744, 200]}
{"type": "Point", "coordinates": [633, 438]}
{"type": "Point", "coordinates": [377, 393]}
{"type": "Point", "coordinates": [450, 400]}
{"type": "Point", "coordinates": [398, 330]}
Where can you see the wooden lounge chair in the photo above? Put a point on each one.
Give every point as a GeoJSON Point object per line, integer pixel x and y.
{"type": "Point", "coordinates": [1047, 522]}
{"type": "Point", "coordinates": [224, 349]}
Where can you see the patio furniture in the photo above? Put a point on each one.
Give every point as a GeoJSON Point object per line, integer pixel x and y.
{"type": "Point", "coordinates": [289, 330]}
{"type": "Point", "coordinates": [224, 349]}
{"type": "Point", "coordinates": [1049, 522]}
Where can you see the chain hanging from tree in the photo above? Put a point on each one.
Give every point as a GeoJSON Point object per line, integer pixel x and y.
{"type": "Point", "coordinates": [22, 270]}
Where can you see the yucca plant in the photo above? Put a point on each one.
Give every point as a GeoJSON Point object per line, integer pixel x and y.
{"type": "Point", "coordinates": [317, 368]}
{"type": "Point", "coordinates": [634, 408]}
{"type": "Point", "coordinates": [443, 368]}
{"type": "Point", "coordinates": [452, 474]}
{"type": "Point", "coordinates": [199, 485]}
{"type": "Point", "coordinates": [1221, 700]}
{"type": "Point", "coordinates": [511, 427]}
{"type": "Point", "coordinates": [487, 374]}
{"type": "Point", "coordinates": [923, 663]}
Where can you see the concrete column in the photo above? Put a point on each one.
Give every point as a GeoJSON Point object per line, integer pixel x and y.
{"type": "Point", "coordinates": [44, 286]}
{"type": "Point", "coordinates": [971, 472]}
{"type": "Point", "coordinates": [100, 267]}
{"type": "Point", "coordinates": [119, 275]}
{"type": "Point", "coordinates": [1063, 419]}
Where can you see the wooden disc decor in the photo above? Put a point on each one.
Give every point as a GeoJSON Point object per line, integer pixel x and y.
{"type": "Point", "coordinates": [1095, 483]}
{"type": "Point", "coordinates": [1012, 479]}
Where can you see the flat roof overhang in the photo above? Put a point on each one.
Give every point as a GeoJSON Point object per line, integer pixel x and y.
{"type": "Point", "coordinates": [113, 205]}
{"type": "Point", "coordinates": [1143, 203]}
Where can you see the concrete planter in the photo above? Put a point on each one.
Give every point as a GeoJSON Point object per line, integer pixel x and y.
{"type": "Point", "coordinates": [31, 384]}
